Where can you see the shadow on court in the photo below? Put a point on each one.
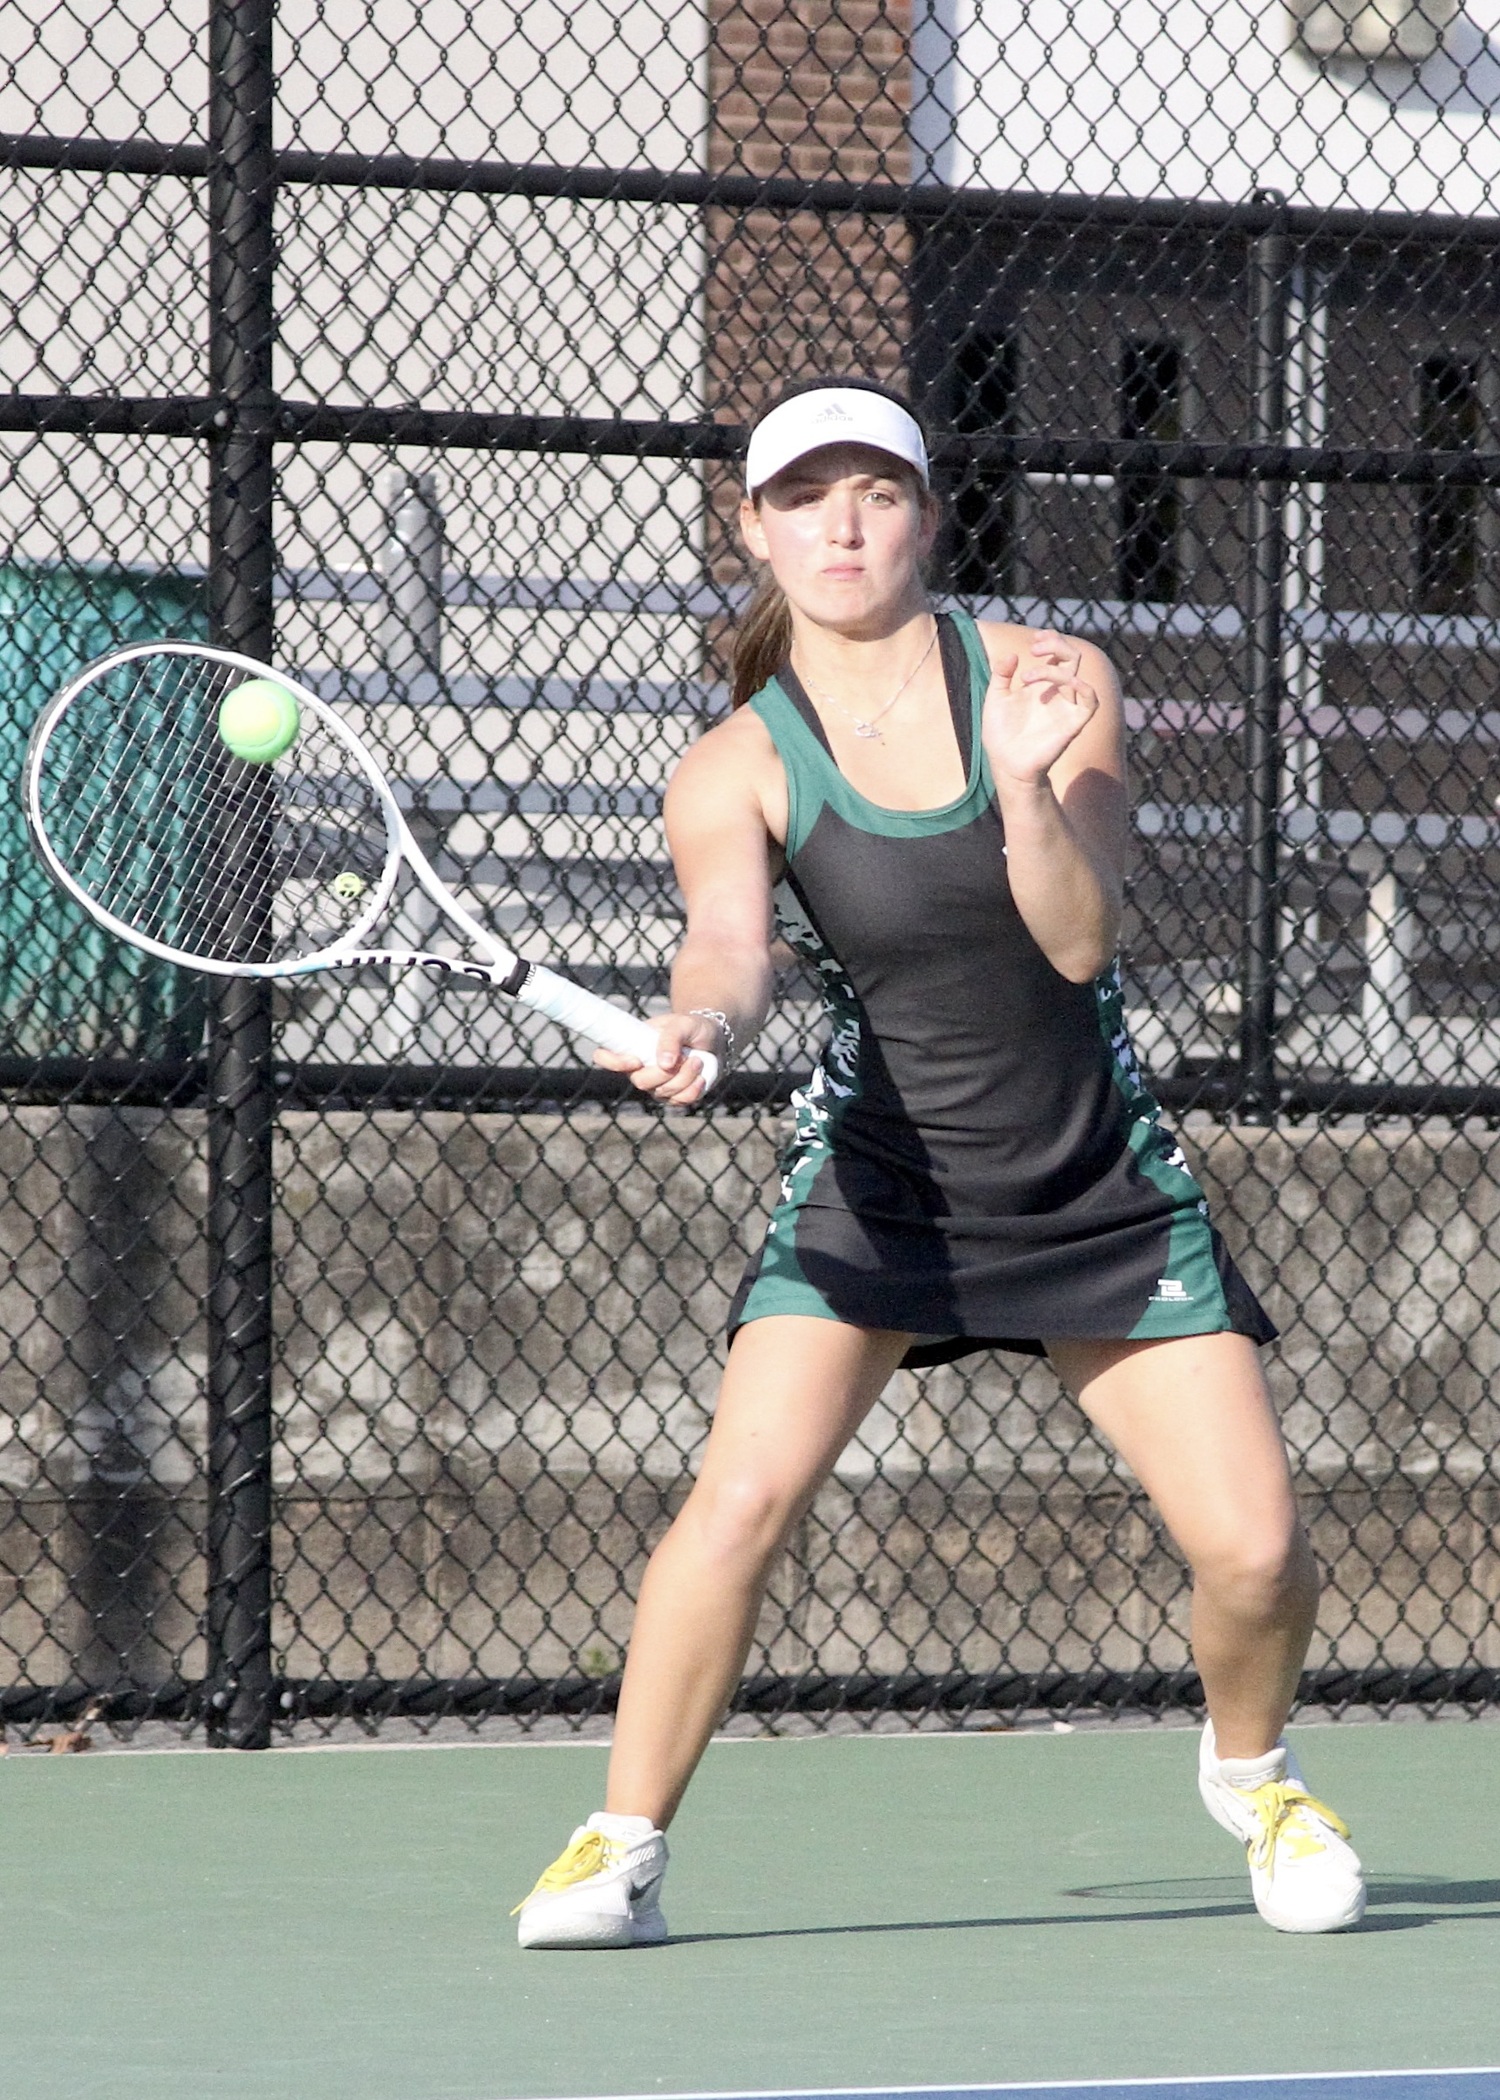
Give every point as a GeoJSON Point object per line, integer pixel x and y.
{"type": "Point", "coordinates": [1041, 1922]}
{"type": "Point", "coordinates": [1437, 1898]}
{"type": "Point", "coordinates": [1384, 1888]}
{"type": "Point", "coordinates": [1432, 1900]}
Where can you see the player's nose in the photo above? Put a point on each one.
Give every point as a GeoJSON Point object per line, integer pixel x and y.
{"type": "Point", "coordinates": [841, 521]}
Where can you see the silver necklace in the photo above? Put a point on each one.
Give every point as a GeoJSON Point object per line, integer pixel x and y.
{"type": "Point", "coordinates": [864, 725]}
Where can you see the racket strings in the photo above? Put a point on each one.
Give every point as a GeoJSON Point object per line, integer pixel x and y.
{"type": "Point", "coordinates": [191, 848]}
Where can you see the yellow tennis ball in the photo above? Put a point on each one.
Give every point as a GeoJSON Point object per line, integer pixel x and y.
{"type": "Point", "coordinates": [259, 720]}
{"type": "Point", "coordinates": [348, 887]}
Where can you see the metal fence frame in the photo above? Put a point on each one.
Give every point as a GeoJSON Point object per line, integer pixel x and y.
{"type": "Point", "coordinates": [242, 419]}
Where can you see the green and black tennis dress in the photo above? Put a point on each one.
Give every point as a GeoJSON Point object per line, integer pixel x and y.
{"type": "Point", "coordinates": [976, 1160]}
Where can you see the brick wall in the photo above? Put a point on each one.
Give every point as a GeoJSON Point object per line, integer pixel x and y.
{"type": "Point", "coordinates": [820, 90]}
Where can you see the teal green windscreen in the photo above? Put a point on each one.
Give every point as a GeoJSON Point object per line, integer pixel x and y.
{"type": "Point", "coordinates": [67, 989]}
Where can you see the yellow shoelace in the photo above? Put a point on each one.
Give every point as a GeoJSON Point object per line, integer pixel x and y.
{"type": "Point", "coordinates": [1289, 1818]}
{"type": "Point", "coordinates": [587, 1854]}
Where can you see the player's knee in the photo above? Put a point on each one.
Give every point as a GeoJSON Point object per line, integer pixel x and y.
{"type": "Point", "coordinates": [741, 1515]}
{"type": "Point", "coordinates": [1260, 1570]}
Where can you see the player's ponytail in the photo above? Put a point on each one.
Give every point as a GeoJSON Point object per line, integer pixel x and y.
{"type": "Point", "coordinates": [762, 641]}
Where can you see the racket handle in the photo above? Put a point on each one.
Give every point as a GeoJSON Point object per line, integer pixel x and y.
{"type": "Point", "coordinates": [594, 1018]}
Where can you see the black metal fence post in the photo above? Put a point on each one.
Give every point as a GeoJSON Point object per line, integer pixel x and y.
{"type": "Point", "coordinates": [241, 561]}
{"type": "Point", "coordinates": [1265, 533]}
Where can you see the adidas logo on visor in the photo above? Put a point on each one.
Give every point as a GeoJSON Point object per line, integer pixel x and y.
{"type": "Point", "coordinates": [808, 420]}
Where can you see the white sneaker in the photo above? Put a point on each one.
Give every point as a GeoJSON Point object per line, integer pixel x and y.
{"type": "Point", "coordinates": [1304, 1873]}
{"type": "Point", "coordinates": [603, 1891]}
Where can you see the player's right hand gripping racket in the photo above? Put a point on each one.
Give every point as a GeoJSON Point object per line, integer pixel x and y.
{"type": "Point", "coordinates": [141, 813]}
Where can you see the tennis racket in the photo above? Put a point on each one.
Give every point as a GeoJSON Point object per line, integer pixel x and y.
{"type": "Point", "coordinates": [141, 814]}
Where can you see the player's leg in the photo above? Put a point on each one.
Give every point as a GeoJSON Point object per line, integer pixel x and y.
{"type": "Point", "coordinates": [1193, 1420]}
{"type": "Point", "coordinates": [794, 1392]}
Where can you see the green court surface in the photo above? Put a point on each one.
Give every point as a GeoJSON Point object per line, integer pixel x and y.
{"type": "Point", "coordinates": [852, 1911]}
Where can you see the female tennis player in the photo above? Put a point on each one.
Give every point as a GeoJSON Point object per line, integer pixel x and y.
{"type": "Point", "coordinates": [933, 813]}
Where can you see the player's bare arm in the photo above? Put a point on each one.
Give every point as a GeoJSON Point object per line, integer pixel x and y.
{"type": "Point", "coordinates": [723, 804]}
{"type": "Point", "coordinates": [1055, 738]}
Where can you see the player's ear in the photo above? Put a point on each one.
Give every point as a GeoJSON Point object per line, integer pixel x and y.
{"type": "Point", "coordinates": [751, 530]}
{"type": "Point", "coordinates": [932, 518]}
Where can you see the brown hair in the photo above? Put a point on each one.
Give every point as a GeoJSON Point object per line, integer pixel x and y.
{"type": "Point", "coordinates": [763, 636]}
{"type": "Point", "coordinates": [762, 641]}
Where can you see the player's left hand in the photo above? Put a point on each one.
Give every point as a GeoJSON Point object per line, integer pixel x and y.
{"type": "Point", "coordinates": [1038, 702]}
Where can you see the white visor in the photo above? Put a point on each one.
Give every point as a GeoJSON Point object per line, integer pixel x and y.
{"type": "Point", "coordinates": [831, 415]}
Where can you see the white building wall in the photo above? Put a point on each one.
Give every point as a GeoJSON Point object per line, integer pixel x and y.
{"type": "Point", "coordinates": [434, 300]}
{"type": "Point", "coordinates": [1201, 99]}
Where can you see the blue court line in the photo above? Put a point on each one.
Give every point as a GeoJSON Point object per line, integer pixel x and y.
{"type": "Point", "coordinates": [1467, 2084]}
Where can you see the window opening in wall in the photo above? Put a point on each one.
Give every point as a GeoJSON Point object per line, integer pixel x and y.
{"type": "Point", "coordinates": [986, 388]}
{"type": "Point", "coordinates": [1150, 504]}
{"type": "Point", "coordinates": [1448, 420]}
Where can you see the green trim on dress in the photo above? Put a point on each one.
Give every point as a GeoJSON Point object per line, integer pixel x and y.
{"type": "Point", "coordinates": [818, 1109]}
{"type": "Point", "coordinates": [814, 782]}
{"type": "Point", "coordinates": [1190, 1281]}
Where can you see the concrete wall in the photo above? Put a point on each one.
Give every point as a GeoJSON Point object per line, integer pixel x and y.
{"type": "Point", "coordinates": [499, 1347]}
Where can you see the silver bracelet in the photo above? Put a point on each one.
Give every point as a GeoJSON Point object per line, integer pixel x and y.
{"type": "Point", "coordinates": [712, 1013]}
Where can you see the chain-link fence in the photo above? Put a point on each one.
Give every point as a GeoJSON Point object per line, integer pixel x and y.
{"type": "Point", "coordinates": [357, 1341]}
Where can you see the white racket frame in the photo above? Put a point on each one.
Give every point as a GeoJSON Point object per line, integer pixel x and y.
{"type": "Point", "coordinates": [529, 984]}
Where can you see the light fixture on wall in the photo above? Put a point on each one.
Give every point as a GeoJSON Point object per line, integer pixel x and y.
{"type": "Point", "coordinates": [1406, 29]}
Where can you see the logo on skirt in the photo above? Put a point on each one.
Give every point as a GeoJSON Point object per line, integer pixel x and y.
{"type": "Point", "coordinates": [1170, 1292]}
